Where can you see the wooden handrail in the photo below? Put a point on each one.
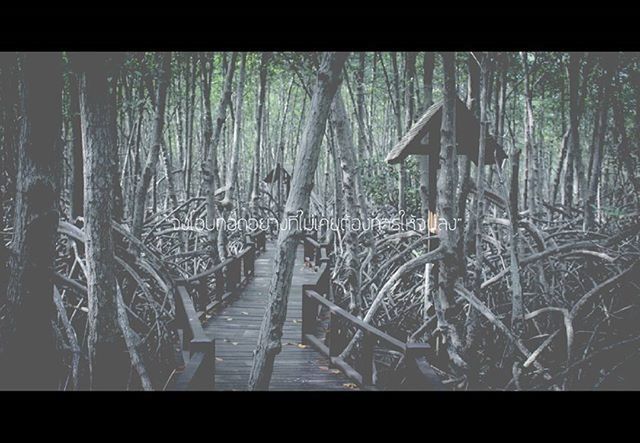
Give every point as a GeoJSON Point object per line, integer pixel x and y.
{"type": "Point", "coordinates": [390, 341]}
{"type": "Point", "coordinates": [199, 371]}
{"type": "Point", "coordinates": [419, 374]}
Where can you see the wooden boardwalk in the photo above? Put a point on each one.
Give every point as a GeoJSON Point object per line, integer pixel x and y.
{"type": "Point", "coordinates": [235, 329]}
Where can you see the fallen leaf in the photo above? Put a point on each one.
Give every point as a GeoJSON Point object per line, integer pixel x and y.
{"type": "Point", "coordinates": [335, 371]}
{"type": "Point", "coordinates": [301, 346]}
{"type": "Point", "coordinates": [229, 318]}
{"type": "Point", "coordinates": [350, 385]}
{"type": "Point", "coordinates": [245, 313]}
{"type": "Point", "coordinates": [295, 321]}
{"type": "Point", "coordinates": [234, 343]}
{"type": "Point", "coordinates": [324, 368]}
{"type": "Point", "coordinates": [219, 359]}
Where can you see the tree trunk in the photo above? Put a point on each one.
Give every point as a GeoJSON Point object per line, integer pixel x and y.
{"type": "Point", "coordinates": [363, 145]}
{"type": "Point", "coordinates": [269, 339]}
{"type": "Point", "coordinates": [530, 145]}
{"type": "Point", "coordinates": [517, 303]}
{"type": "Point", "coordinates": [573, 140]}
{"type": "Point", "coordinates": [28, 351]}
{"type": "Point", "coordinates": [8, 153]}
{"type": "Point", "coordinates": [108, 362]}
{"type": "Point", "coordinates": [351, 200]}
{"type": "Point", "coordinates": [77, 184]}
{"type": "Point", "coordinates": [255, 192]}
{"type": "Point", "coordinates": [152, 158]}
{"type": "Point", "coordinates": [423, 161]}
{"type": "Point", "coordinates": [473, 316]}
{"type": "Point", "coordinates": [232, 171]}
{"type": "Point", "coordinates": [597, 155]}
{"type": "Point", "coordinates": [211, 141]}
{"type": "Point", "coordinates": [448, 269]}
{"type": "Point", "coordinates": [402, 173]}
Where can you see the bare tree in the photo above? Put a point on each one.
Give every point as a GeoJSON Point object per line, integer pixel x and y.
{"type": "Point", "coordinates": [255, 192]}
{"type": "Point", "coordinates": [211, 141]}
{"type": "Point", "coordinates": [269, 340]}
{"type": "Point", "coordinates": [449, 266]}
{"type": "Point", "coordinates": [350, 196]}
{"type": "Point", "coordinates": [108, 362]}
{"type": "Point", "coordinates": [149, 170]}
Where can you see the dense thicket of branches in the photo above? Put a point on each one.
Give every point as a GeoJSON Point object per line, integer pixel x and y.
{"type": "Point", "coordinates": [536, 288]}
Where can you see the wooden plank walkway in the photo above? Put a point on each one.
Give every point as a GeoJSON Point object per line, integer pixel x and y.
{"type": "Point", "coordinates": [235, 329]}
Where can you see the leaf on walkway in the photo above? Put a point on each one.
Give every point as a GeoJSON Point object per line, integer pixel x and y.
{"type": "Point", "coordinates": [350, 385]}
{"type": "Point", "coordinates": [301, 346]}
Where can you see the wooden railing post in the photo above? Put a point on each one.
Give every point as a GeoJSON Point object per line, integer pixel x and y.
{"type": "Point", "coordinates": [219, 284]}
{"type": "Point", "coordinates": [366, 358]}
{"type": "Point", "coordinates": [249, 261]}
{"type": "Point", "coordinates": [309, 314]}
{"type": "Point", "coordinates": [203, 294]}
{"type": "Point", "coordinates": [334, 334]}
{"type": "Point", "coordinates": [420, 374]}
{"type": "Point", "coordinates": [204, 378]}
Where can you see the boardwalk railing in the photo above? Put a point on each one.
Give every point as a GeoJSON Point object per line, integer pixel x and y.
{"type": "Point", "coordinates": [199, 370]}
{"type": "Point", "coordinates": [419, 375]}
{"type": "Point", "coordinates": [227, 277]}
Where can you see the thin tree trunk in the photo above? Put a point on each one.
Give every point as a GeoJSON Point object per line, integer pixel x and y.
{"type": "Point", "coordinates": [517, 302]}
{"type": "Point", "coordinates": [210, 164]}
{"type": "Point", "coordinates": [351, 200]}
{"type": "Point", "coordinates": [530, 145]}
{"type": "Point", "coordinates": [573, 141]}
{"type": "Point", "coordinates": [402, 173]}
{"type": "Point", "coordinates": [152, 158]}
{"type": "Point", "coordinates": [448, 269]}
{"type": "Point", "coordinates": [423, 160]}
{"type": "Point", "coordinates": [77, 184]}
{"type": "Point", "coordinates": [255, 192]}
{"type": "Point", "coordinates": [473, 316]}
{"type": "Point", "coordinates": [597, 155]}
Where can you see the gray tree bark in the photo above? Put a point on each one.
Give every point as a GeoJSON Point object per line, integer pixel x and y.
{"type": "Point", "coordinates": [423, 160]}
{"type": "Point", "coordinates": [269, 339]}
{"type": "Point", "coordinates": [449, 267]}
{"type": "Point", "coordinates": [597, 155]}
{"type": "Point", "coordinates": [573, 141]}
{"type": "Point", "coordinates": [152, 158]}
{"type": "Point", "coordinates": [473, 316]}
{"type": "Point", "coordinates": [346, 152]}
{"type": "Point", "coordinates": [210, 163]}
{"type": "Point", "coordinates": [108, 361]}
{"type": "Point", "coordinates": [28, 351]}
{"type": "Point", "coordinates": [255, 192]}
